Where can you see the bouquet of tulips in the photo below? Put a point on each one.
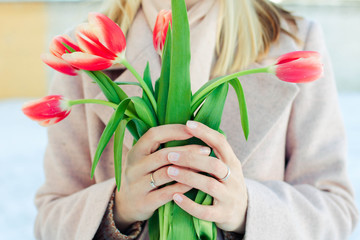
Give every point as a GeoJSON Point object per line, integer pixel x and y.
{"type": "Point", "coordinates": [101, 43]}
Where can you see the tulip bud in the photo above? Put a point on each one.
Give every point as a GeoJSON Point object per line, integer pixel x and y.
{"type": "Point", "coordinates": [160, 29]}
{"type": "Point", "coordinates": [298, 67]}
{"type": "Point", "coordinates": [47, 110]}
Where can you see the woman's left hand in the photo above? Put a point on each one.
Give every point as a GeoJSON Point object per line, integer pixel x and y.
{"type": "Point", "coordinates": [230, 196]}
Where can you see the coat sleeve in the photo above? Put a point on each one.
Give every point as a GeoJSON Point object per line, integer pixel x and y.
{"type": "Point", "coordinates": [70, 204]}
{"type": "Point", "coordinates": [315, 201]}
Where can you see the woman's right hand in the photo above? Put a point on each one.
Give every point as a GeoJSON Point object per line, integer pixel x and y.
{"type": "Point", "coordinates": [137, 199]}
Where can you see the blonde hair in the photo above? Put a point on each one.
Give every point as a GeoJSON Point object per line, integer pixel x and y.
{"type": "Point", "coordinates": [244, 35]}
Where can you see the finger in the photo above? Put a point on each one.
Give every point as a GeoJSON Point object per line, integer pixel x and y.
{"type": "Point", "coordinates": [152, 139]}
{"type": "Point", "coordinates": [200, 163]}
{"type": "Point", "coordinates": [212, 138]}
{"type": "Point", "coordinates": [159, 178]}
{"type": "Point", "coordinates": [164, 195]}
{"type": "Point", "coordinates": [159, 159]}
{"type": "Point", "coordinates": [199, 181]}
{"type": "Point", "coordinates": [204, 212]}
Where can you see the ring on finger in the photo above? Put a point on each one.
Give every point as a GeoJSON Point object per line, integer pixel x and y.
{"type": "Point", "coordinates": [226, 176]}
{"type": "Point", "coordinates": [152, 181]}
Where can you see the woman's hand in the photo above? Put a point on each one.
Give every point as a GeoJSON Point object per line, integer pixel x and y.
{"type": "Point", "coordinates": [138, 199]}
{"type": "Point", "coordinates": [230, 196]}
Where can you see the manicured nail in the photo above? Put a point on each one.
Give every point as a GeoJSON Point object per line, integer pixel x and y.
{"type": "Point", "coordinates": [205, 150]}
{"type": "Point", "coordinates": [173, 156]}
{"type": "Point", "coordinates": [191, 124]}
{"type": "Point", "coordinates": [173, 171]}
{"type": "Point", "coordinates": [178, 198]}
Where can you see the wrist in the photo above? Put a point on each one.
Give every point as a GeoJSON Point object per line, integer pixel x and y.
{"type": "Point", "coordinates": [121, 219]}
{"type": "Point", "coordinates": [242, 225]}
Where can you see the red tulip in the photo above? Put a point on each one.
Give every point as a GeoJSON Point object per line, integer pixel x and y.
{"type": "Point", "coordinates": [103, 42]}
{"type": "Point", "coordinates": [160, 29]}
{"type": "Point", "coordinates": [57, 49]}
{"type": "Point", "coordinates": [298, 67]}
{"type": "Point", "coordinates": [47, 110]}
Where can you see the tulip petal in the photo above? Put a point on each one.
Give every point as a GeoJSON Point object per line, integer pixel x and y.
{"type": "Point", "coordinates": [90, 44]}
{"type": "Point", "coordinates": [87, 61]}
{"type": "Point", "coordinates": [57, 47]}
{"type": "Point", "coordinates": [287, 57]}
{"type": "Point", "coordinates": [108, 32]}
{"type": "Point", "coordinates": [58, 64]}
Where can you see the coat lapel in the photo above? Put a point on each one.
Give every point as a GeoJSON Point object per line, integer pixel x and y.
{"type": "Point", "coordinates": [267, 98]}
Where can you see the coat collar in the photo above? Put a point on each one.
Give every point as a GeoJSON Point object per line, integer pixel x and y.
{"type": "Point", "coordinates": [267, 97]}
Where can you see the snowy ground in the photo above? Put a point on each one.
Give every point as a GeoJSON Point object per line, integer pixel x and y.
{"type": "Point", "coordinates": [22, 144]}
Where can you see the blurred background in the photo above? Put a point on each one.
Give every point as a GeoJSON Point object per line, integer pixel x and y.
{"type": "Point", "coordinates": [26, 28]}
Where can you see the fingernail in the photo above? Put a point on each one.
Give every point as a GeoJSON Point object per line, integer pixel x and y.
{"type": "Point", "coordinates": [173, 171]}
{"type": "Point", "coordinates": [205, 150]}
{"type": "Point", "coordinates": [173, 156]}
{"type": "Point", "coordinates": [191, 124]}
{"type": "Point", "coordinates": [177, 198]}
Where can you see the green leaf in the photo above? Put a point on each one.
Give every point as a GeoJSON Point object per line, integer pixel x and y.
{"type": "Point", "coordinates": [133, 129]}
{"type": "Point", "coordinates": [204, 229]}
{"type": "Point", "coordinates": [203, 92]}
{"type": "Point", "coordinates": [200, 94]}
{"type": "Point", "coordinates": [167, 220]}
{"type": "Point", "coordinates": [182, 223]}
{"type": "Point", "coordinates": [210, 114]}
{"type": "Point", "coordinates": [118, 147]}
{"type": "Point", "coordinates": [157, 89]}
{"type": "Point", "coordinates": [144, 112]}
{"type": "Point", "coordinates": [211, 111]}
{"type": "Point", "coordinates": [235, 83]}
{"type": "Point", "coordinates": [141, 127]}
{"type": "Point", "coordinates": [128, 83]}
{"type": "Point", "coordinates": [109, 131]}
{"type": "Point", "coordinates": [147, 80]}
{"type": "Point", "coordinates": [162, 85]}
{"type": "Point", "coordinates": [154, 231]}
{"type": "Point", "coordinates": [108, 92]}
{"type": "Point", "coordinates": [179, 95]}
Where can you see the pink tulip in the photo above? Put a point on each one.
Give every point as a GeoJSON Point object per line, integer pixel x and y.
{"type": "Point", "coordinates": [102, 41]}
{"type": "Point", "coordinates": [160, 29]}
{"type": "Point", "coordinates": [298, 67]}
{"type": "Point", "coordinates": [57, 49]}
{"type": "Point", "coordinates": [47, 110]}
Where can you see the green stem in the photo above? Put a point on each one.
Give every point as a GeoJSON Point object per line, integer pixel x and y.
{"type": "Point", "coordinates": [141, 81]}
{"type": "Point", "coordinates": [101, 102]}
{"type": "Point", "coordinates": [199, 95]}
{"type": "Point", "coordinates": [95, 101]}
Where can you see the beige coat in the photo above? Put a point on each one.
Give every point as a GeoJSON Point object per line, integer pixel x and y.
{"type": "Point", "coordinates": [294, 161]}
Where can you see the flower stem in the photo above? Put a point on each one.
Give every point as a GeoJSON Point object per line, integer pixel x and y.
{"type": "Point", "coordinates": [141, 81]}
{"type": "Point", "coordinates": [198, 95]}
{"type": "Point", "coordinates": [101, 102]}
{"type": "Point", "coordinates": [95, 101]}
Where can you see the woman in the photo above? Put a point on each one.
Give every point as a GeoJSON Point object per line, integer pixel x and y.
{"type": "Point", "coordinates": [288, 181]}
